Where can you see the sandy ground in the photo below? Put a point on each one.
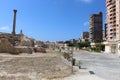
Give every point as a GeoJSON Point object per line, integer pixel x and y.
{"type": "Point", "coordinates": [33, 66]}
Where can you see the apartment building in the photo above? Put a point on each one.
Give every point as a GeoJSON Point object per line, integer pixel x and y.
{"type": "Point", "coordinates": [112, 26]}
{"type": "Point", "coordinates": [85, 36]}
{"type": "Point", "coordinates": [95, 23]}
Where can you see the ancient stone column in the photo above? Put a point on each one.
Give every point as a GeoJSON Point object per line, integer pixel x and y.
{"type": "Point", "coordinates": [14, 22]}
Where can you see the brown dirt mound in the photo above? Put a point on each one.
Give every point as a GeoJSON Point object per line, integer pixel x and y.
{"type": "Point", "coordinates": [32, 68]}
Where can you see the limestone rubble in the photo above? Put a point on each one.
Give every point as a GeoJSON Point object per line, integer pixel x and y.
{"type": "Point", "coordinates": [18, 43]}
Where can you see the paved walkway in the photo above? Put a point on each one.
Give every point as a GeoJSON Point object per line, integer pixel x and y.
{"type": "Point", "coordinates": [81, 74]}
{"type": "Point", "coordinates": [106, 66]}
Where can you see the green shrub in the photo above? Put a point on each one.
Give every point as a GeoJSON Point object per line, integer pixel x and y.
{"type": "Point", "coordinates": [66, 55]}
{"type": "Point", "coordinates": [96, 49]}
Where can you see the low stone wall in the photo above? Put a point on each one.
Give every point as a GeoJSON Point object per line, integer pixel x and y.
{"type": "Point", "coordinates": [40, 49]}
{"type": "Point", "coordinates": [24, 50]}
{"type": "Point", "coordinates": [6, 47]}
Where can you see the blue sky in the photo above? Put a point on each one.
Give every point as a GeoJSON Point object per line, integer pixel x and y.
{"type": "Point", "coordinates": [51, 20]}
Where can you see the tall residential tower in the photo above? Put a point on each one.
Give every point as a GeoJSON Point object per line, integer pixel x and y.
{"type": "Point", "coordinates": [95, 33]}
{"type": "Point", "coordinates": [112, 26]}
{"type": "Point", "coordinates": [112, 20]}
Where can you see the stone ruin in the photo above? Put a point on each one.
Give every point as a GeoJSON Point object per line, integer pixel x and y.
{"type": "Point", "coordinates": [19, 43]}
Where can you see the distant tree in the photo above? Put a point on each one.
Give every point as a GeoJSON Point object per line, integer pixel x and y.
{"type": "Point", "coordinates": [83, 44]}
{"type": "Point", "coordinates": [98, 47]}
{"type": "Point", "coordinates": [79, 45]}
{"type": "Point", "coordinates": [70, 44]}
{"type": "Point", "coordinates": [86, 40]}
{"type": "Point", "coordinates": [67, 42]}
{"type": "Point", "coordinates": [98, 41]}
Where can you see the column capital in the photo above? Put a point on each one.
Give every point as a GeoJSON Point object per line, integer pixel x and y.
{"type": "Point", "coordinates": [15, 10]}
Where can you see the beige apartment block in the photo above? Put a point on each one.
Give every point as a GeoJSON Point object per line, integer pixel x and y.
{"type": "Point", "coordinates": [112, 28]}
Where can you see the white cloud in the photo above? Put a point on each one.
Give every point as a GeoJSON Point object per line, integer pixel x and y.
{"type": "Point", "coordinates": [86, 23]}
{"type": "Point", "coordinates": [4, 28]}
{"type": "Point", "coordinates": [86, 1]}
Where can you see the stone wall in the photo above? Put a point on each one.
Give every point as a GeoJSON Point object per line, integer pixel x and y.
{"type": "Point", "coordinates": [40, 49]}
{"type": "Point", "coordinates": [18, 44]}
{"type": "Point", "coordinates": [25, 50]}
{"type": "Point", "coordinates": [6, 47]}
